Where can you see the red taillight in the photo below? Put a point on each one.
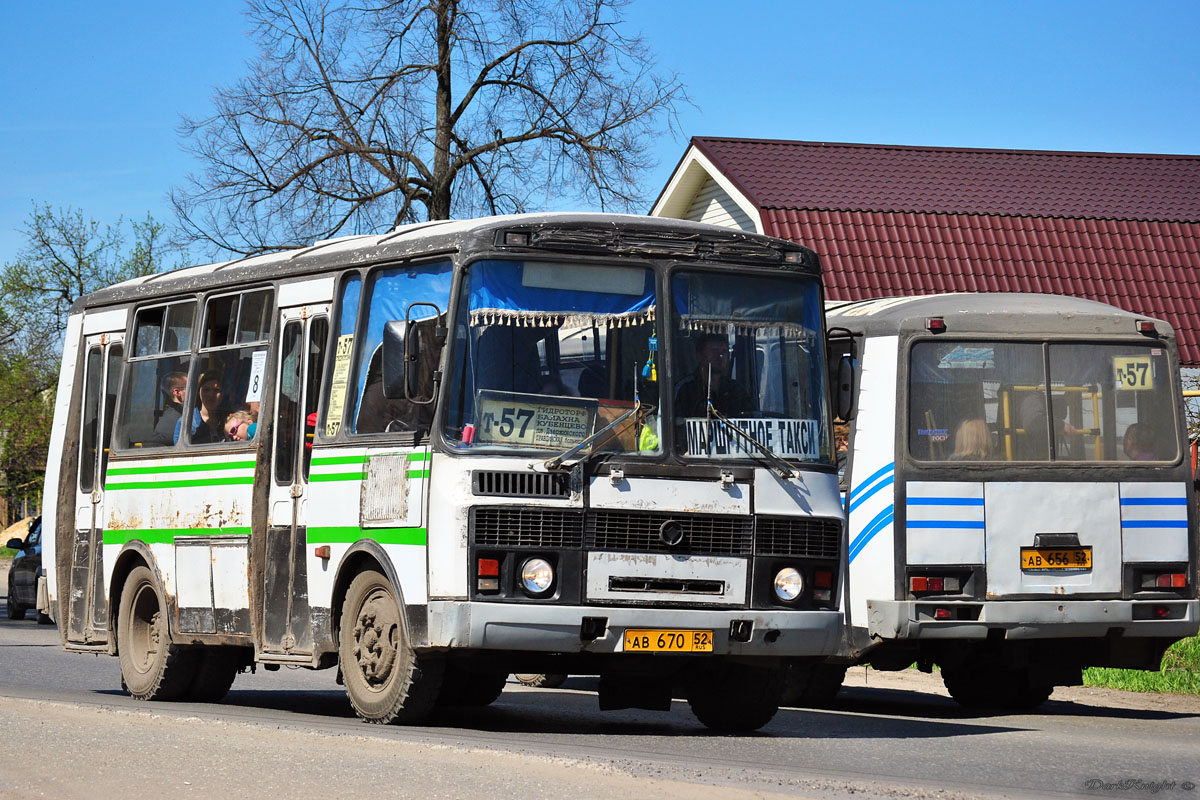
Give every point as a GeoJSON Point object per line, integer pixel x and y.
{"type": "Point", "coordinates": [822, 579]}
{"type": "Point", "coordinates": [489, 568]}
{"type": "Point", "coordinates": [942, 613]}
{"type": "Point", "coordinates": [935, 325]}
{"type": "Point", "coordinates": [919, 584]}
{"type": "Point", "coordinates": [937, 585]}
{"type": "Point", "coordinates": [1178, 580]}
{"type": "Point", "coordinates": [1162, 612]}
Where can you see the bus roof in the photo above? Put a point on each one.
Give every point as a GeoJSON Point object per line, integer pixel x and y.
{"type": "Point", "coordinates": [580, 233]}
{"type": "Point", "coordinates": [990, 312]}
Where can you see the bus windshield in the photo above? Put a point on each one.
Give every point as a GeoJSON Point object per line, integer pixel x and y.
{"type": "Point", "coordinates": [749, 348]}
{"type": "Point", "coordinates": [546, 354]}
{"type": "Point", "coordinates": [989, 401]}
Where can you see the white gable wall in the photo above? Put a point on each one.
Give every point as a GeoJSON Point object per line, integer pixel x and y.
{"type": "Point", "coordinates": [698, 191]}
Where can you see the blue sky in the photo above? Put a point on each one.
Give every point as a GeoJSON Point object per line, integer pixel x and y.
{"type": "Point", "coordinates": [92, 92]}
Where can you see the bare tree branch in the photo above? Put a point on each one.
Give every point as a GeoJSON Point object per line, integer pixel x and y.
{"type": "Point", "coordinates": [351, 119]}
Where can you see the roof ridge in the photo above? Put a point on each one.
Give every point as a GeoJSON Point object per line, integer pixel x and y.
{"type": "Point", "coordinates": [944, 148]}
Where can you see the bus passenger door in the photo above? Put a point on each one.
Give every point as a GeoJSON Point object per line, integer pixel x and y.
{"type": "Point", "coordinates": [286, 621]}
{"type": "Point", "coordinates": [86, 602]}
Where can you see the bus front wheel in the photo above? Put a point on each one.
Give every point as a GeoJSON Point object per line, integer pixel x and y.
{"type": "Point", "coordinates": [734, 697]}
{"type": "Point", "coordinates": [152, 667]}
{"type": "Point", "coordinates": [386, 680]}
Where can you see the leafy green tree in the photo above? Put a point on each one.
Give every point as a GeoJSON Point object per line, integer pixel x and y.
{"type": "Point", "coordinates": [66, 255]}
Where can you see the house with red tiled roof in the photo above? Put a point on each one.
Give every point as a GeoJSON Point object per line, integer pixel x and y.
{"type": "Point", "coordinates": [1121, 228]}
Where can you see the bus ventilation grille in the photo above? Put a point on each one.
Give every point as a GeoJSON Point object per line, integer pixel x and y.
{"type": "Point", "coordinates": [493, 483]}
{"type": "Point", "coordinates": [505, 526]}
{"type": "Point", "coordinates": [703, 534]}
{"type": "Point", "coordinates": [797, 536]}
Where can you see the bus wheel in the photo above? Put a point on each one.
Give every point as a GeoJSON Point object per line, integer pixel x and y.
{"type": "Point", "coordinates": [385, 679]}
{"type": "Point", "coordinates": [979, 687]}
{"type": "Point", "coordinates": [735, 697]}
{"type": "Point", "coordinates": [541, 680]}
{"type": "Point", "coordinates": [467, 687]}
{"type": "Point", "coordinates": [152, 668]}
{"type": "Point", "coordinates": [811, 685]}
{"type": "Point", "coordinates": [215, 672]}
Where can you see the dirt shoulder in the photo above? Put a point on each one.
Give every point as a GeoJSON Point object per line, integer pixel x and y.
{"type": "Point", "coordinates": [911, 680]}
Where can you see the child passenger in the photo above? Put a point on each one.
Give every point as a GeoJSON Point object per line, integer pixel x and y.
{"type": "Point", "coordinates": [241, 426]}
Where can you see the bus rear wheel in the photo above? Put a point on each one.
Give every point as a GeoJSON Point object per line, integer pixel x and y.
{"type": "Point", "coordinates": [992, 687]}
{"type": "Point", "coordinates": [386, 680]}
{"type": "Point", "coordinates": [152, 667]}
{"type": "Point", "coordinates": [216, 670]}
{"type": "Point", "coordinates": [735, 697]}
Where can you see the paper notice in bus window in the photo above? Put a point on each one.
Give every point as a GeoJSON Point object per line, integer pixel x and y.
{"type": "Point", "coordinates": [1134, 372]}
{"type": "Point", "coordinates": [790, 438]}
{"type": "Point", "coordinates": [341, 377]}
{"type": "Point", "coordinates": [963, 357]}
{"type": "Point", "coordinates": [532, 420]}
{"type": "Point", "coordinates": [258, 368]}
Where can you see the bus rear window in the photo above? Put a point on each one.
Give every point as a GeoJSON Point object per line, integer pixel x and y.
{"type": "Point", "coordinates": [989, 401]}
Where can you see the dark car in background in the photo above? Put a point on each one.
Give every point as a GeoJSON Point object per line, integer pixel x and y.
{"type": "Point", "coordinates": [24, 572]}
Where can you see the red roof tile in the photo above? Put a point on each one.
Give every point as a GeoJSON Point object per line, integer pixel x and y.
{"type": "Point", "coordinates": [862, 177]}
{"type": "Point", "coordinates": [1119, 228]}
{"type": "Point", "coordinates": [1150, 268]}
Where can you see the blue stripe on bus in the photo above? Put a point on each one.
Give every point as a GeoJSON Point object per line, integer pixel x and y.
{"type": "Point", "coordinates": [862, 498]}
{"type": "Point", "coordinates": [945, 501]}
{"type": "Point", "coordinates": [1154, 501]}
{"type": "Point", "coordinates": [885, 470]}
{"type": "Point", "coordinates": [1154, 523]}
{"type": "Point", "coordinates": [881, 521]}
{"type": "Point", "coordinates": [958, 524]}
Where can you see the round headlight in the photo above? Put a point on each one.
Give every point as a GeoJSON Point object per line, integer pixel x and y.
{"type": "Point", "coordinates": [537, 575]}
{"type": "Point", "coordinates": [788, 584]}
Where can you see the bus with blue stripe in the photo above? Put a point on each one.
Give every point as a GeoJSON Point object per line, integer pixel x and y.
{"type": "Point", "coordinates": [1019, 501]}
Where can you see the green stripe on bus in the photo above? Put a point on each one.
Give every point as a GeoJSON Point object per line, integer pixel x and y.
{"type": "Point", "coordinates": [319, 461]}
{"type": "Point", "coordinates": [168, 535]}
{"type": "Point", "coordinates": [202, 467]}
{"type": "Point", "coordinates": [350, 534]}
{"type": "Point", "coordinates": [184, 484]}
{"type": "Point", "coordinates": [324, 477]}
{"type": "Point", "coordinates": [319, 477]}
{"type": "Point", "coordinates": [419, 456]}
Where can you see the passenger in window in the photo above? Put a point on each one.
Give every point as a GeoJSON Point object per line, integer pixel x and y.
{"type": "Point", "coordinates": [207, 418]}
{"type": "Point", "coordinates": [1033, 421]}
{"type": "Point", "coordinates": [712, 364]}
{"type": "Point", "coordinates": [972, 441]}
{"type": "Point", "coordinates": [240, 426]}
{"type": "Point", "coordinates": [174, 388]}
{"type": "Point", "coordinates": [1139, 443]}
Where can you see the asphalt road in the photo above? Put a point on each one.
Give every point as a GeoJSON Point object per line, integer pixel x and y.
{"type": "Point", "coordinates": [292, 731]}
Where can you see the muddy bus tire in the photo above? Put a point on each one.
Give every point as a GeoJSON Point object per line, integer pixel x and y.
{"type": "Point", "coordinates": [735, 697]}
{"type": "Point", "coordinates": [216, 670]}
{"type": "Point", "coordinates": [386, 680]}
{"type": "Point", "coordinates": [152, 667]}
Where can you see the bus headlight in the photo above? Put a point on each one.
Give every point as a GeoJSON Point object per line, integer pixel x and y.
{"type": "Point", "coordinates": [789, 583]}
{"type": "Point", "coordinates": [537, 576]}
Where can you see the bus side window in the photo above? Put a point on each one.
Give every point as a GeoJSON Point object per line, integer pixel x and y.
{"type": "Point", "coordinates": [155, 390]}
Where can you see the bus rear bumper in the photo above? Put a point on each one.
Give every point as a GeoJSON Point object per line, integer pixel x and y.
{"type": "Point", "coordinates": [578, 629]}
{"type": "Point", "coordinates": [1033, 619]}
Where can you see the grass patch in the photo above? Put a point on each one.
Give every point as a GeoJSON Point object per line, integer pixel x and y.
{"type": "Point", "coordinates": [7, 553]}
{"type": "Point", "coordinates": [1180, 672]}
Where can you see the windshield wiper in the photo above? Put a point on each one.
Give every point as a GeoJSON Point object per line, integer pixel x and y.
{"type": "Point", "coordinates": [557, 461]}
{"type": "Point", "coordinates": [785, 467]}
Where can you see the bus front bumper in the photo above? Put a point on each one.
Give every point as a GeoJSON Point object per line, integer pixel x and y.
{"type": "Point", "coordinates": [1033, 619]}
{"type": "Point", "coordinates": [574, 629]}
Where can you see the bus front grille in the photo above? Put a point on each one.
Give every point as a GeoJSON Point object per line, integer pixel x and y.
{"type": "Point", "coordinates": [797, 536]}
{"type": "Point", "coordinates": [507, 526]}
{"type": "Point", "coordinates": [639, 531]}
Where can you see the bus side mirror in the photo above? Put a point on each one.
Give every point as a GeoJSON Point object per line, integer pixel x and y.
{"type": "Point", "coordinates": [846, 393]}
{"type": "Point", "coordinates": [394, 358]}
{"type": "Point", "coordinates": [15, 544]}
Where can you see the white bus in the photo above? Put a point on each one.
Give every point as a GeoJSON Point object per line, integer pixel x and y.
{"type": "Point", "coordinates": [433, 457]}
{"type": "Point", "coordinates": [1019, 502]}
